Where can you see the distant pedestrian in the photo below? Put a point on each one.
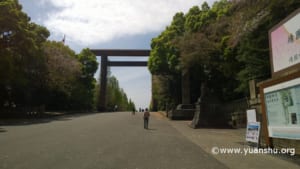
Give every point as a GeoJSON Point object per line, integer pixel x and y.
{"type": "Point", "coordinates": [146, 118]}
{"type": "Point", "coordinates": [116, 108]}
{"type": "Point", "coordinates": [133, 111]}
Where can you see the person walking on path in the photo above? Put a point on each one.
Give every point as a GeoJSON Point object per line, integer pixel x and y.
{"type": "Point", "coordinates": [116, 108]}
{"type": "Point", "coordinates": [146, 118]}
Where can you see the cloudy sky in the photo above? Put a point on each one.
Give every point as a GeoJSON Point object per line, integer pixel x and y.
{"type": "Point", "coordinates": [110, 24]}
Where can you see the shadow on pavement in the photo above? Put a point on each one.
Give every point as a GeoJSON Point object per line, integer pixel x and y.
{"type": "Point", "coordinates": [30, 121]}
{"type": "Point", "coordinates": [2, 130]}
{"type": "Point", "coordinates": [46, 118]}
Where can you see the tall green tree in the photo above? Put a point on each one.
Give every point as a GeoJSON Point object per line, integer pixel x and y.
{"type": "Point", "coordinates": [21, 61]}
{"type": "Point", "coordinates": [84, 90]}
{"type": "Point", "coordinates": [164, 56]}
{"type": "Point", "coordinates": [164, 60]}
{"type": "Point", "coordinates": [202, 51]}
{"type": "Point", "coordinates": [63, 72]}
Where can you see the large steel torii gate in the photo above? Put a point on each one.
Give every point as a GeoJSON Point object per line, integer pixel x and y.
{"type": "Point", "coordinates": [105, 53]}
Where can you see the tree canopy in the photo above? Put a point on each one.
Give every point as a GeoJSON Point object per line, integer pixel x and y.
{"type": "Point", "coordinates": [35, 71]}
{"type": "Point", "coordinates": [224, 45]}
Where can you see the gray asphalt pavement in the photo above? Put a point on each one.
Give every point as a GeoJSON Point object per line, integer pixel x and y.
{"type": "Point", "coordinates": [100, 141]}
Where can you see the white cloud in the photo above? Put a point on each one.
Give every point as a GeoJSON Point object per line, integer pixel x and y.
{"type": "Point", "coordinates": [98, 21]}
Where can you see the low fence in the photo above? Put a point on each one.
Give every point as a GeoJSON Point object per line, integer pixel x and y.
{"type": "Point", "coordinates": [230, 114]}
{"type": "Point", "coordinates": [236, 112]}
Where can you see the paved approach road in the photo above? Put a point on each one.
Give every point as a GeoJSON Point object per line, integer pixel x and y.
{"type": "Point", "coordinates": [100, 141]}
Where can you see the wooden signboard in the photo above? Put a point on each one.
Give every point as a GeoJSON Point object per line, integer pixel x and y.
{"type": "Point", "coordinates": [280, 96]}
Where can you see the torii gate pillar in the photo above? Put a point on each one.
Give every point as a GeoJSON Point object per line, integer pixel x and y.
{"type": "Point", "coordinates": [103, 82]}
